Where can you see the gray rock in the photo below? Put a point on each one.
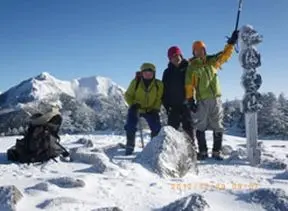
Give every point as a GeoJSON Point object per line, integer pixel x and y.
{"type": "Point", "coordinates": [170, 154]}
{"type": "Point", "coordinates": [67, 182]}
{"type": "Point", "coordinates": [51, 203]}
{"type": "Point", "coordinates": [270, 199]}
{"type": "Point", "coordinates": [279, 146]}
{"type": "Point", "coordinates": [227, 150]}
{"type": "Point", "coordinates": [86, 142]}
{"type": "Point", "coordinates": [275, 164]}
{"type": "Point", "coordinates": [43, 186]}
{"type": "Point", "coordinates": [101, 163]}
{"type": "Point", "coordinates": [282, 176]}
{"type": "Point", "coordinates": [9, 197]}
{"type": "Point", "coordinates": [193, 202]}
{"type": "Point", "coordinates": [108, 209]}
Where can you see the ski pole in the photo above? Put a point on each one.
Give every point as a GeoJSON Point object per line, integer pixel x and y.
{"type": "Point", "coordinates": [238, 14]}
{"type": "Point", "coordinates": [141, 130]}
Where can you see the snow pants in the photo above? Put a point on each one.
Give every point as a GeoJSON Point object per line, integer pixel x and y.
{"type": "Point", "coordinates": [209, 115]}
{"type": "Point", "coordinates": [153, 120]}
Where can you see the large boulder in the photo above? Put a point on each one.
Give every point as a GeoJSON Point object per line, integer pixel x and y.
{"type": "Point", "coordinates": [193, 202]}
{"type": "Point", "coordinates": [9, 197]}
{"type": "Point", "coordinates": [171, 154]}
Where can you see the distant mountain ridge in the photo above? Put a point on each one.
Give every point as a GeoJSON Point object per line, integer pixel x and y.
{"type": "Point", "coordinates": [97, 100]}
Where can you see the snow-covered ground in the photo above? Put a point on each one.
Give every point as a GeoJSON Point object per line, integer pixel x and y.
{"type": "Point", "coordinates": [224, 184]}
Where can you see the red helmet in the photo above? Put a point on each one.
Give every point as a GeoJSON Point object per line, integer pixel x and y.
{"type": "Point", "coordinates": [174, 50]}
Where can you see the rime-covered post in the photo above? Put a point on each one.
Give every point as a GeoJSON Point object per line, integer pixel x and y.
{"type": "Point", "coordinates": [250, 60]}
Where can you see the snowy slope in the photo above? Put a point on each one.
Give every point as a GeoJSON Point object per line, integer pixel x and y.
{"type": "Point", "coordinates": [132, 187]}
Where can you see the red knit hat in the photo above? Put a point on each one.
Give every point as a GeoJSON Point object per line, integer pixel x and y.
{"type": "Point", "coordinates": [174, 50]}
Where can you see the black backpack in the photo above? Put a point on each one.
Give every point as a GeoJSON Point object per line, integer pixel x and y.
{"type": "Point", "coordinates": [40, 143]}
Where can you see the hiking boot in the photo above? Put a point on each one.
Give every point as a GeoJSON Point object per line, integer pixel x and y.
{"type": "Point", "coordinates": [129, 151]}
{"type": "Point", "coordinates": [130, 143]}
{"type": "Point", "coordinates": [202, 156]}
{"type": "Point", "coordinates": [217, 155]}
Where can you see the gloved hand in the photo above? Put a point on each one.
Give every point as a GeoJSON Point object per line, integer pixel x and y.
{"type": "Point", "coordinates": [191, 104]}
{"type": "Point", "coordinates": [135, 107]}
{"type": "Point", "coordinates": [234, 37]}
{"type": "Point", "coordinates": [168, 109]}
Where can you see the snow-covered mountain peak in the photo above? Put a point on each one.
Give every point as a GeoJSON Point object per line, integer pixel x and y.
{"type": "Point", "coordinates": [45, 76]}
{"type": "Point", "coordinates": [46, 87]}
{"type": "Point", "coordinates": [97, 85]}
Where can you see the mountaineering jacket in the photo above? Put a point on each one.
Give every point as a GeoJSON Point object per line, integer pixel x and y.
{"type": "Point", "coordinates": [174, 85]}
{"type": "Point", "coordinates": [149, 97]}
{"type": "Point", "coordinates": [201, 75]}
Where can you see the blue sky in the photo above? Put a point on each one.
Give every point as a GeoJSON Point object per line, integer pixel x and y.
{"type": "Point", "coordinates": [72, 39]}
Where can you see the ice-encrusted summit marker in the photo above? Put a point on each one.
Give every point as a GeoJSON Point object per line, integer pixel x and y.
{"type": "Point", "coordinates": [250, 59]}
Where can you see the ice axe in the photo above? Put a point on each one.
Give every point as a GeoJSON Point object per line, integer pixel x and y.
{"type": "Point", "coordinates": [238, 14]}
{"type": "Point", "coordinates": [237, 20]}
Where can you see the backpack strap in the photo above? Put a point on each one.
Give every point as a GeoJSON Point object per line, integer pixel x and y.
{"type": "Point", "coordinates": [137, 83]}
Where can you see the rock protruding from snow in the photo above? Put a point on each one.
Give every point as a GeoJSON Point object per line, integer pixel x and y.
{"type": "Point", "coordinates": [67, 182]}
{"type": "Point", "coordinates": [86, 142]}
{"type": "Point", "coordinates": [170, 154]}
{"type": "Point", "coordinates": [282, 176]}
{"type": "Point", "coordinates": [108, 209]}
{"type": "Point", "coordinates": [270, 199]}
{"type": "Point", "coordinates": [193, 202]}
{"type": "Point", "coordinates": [52, 203]}
{"type": "Point", "coordinates": [273, 164]}
{"type": "Point", "coordinates": [227, 150]}
{"type": "Point", "coordinates": [9, 197]}
{"type": "Point", "coordinates": [101, 163]}
{"type": "Point", "coordinates": [43, 186]}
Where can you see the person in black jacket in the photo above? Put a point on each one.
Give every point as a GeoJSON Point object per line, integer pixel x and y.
{"type": "Point", "coordinates": [174, 92]}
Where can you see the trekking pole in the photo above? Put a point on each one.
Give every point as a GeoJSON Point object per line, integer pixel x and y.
{"type": "Point", "coordinates": [238, 13]}
{"type": "Point", "coordinates": [141, 130]}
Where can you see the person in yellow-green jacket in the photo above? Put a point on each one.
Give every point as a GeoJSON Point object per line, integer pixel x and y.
{"type": "Point", "coordinates": [144, 97]}
{"type": "Point", "coordinates": [203, 94]}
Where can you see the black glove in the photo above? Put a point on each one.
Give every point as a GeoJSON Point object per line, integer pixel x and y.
{"type": "Point", "coordinates": [191, 104]}
{"type": "Point", "coordinates": [168, 109]}
{"type": "Point", "coordinates": [234, 37]}
{"type": "Point", "coordinates": [135, 106]}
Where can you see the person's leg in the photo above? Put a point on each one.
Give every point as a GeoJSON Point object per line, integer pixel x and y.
{"type": "Point", "coordinates": [153, 120]}
{"type": "Point", "coordinates": [216, 123]}
{"type": "Point", "coordinates": [131, 128]}
{"type": "Point", "coordinates": [174, 117]}
{"type": "Point", "coordinates": [201, 126]}
{"type": "Point", "coordinates": [187, 123]}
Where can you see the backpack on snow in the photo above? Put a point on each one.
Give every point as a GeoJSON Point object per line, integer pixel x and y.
{"type": "Point", "coordinates": [138, 77]}
{"type": "Point", "coordinates": [41, 141]}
